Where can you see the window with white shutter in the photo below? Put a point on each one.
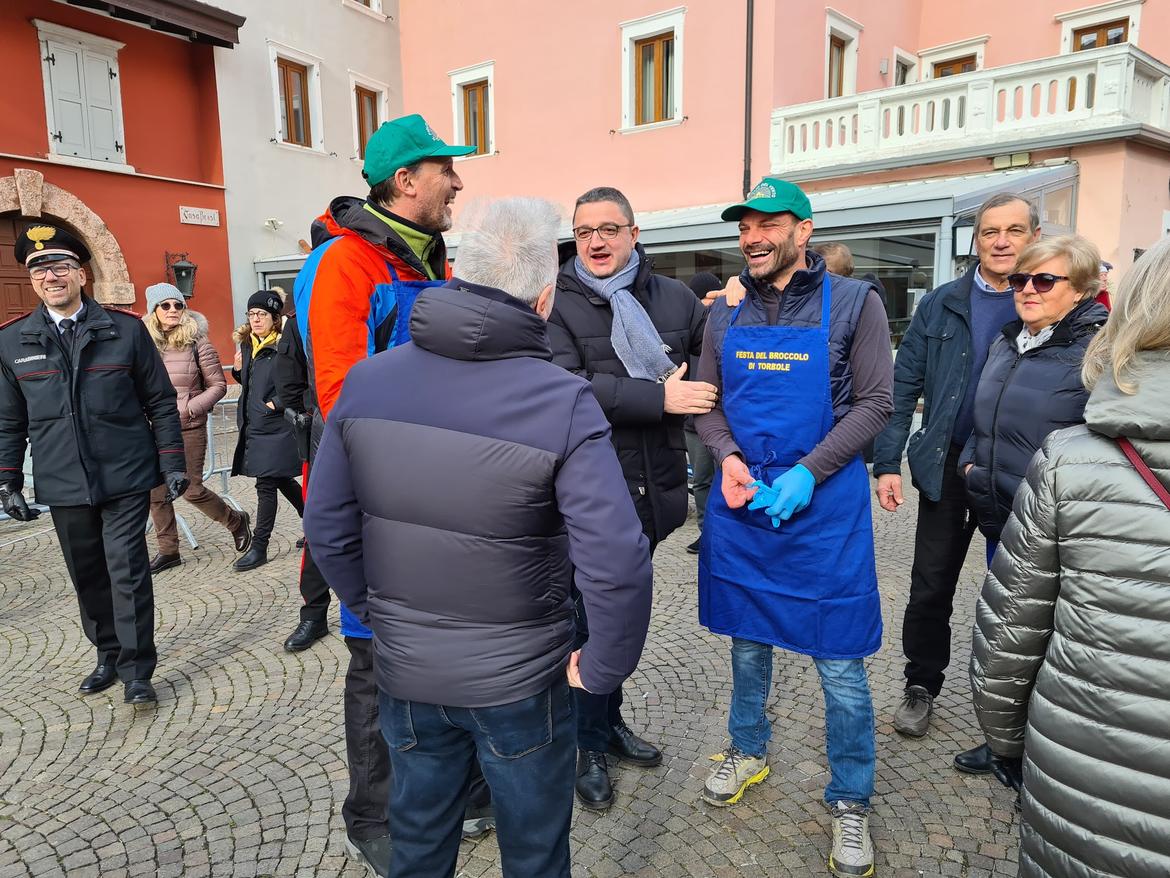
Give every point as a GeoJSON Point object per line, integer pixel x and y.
{"type": "Point", "coordinates": [83, 102]}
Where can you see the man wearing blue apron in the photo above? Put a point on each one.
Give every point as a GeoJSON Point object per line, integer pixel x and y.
{"type": "Point", "coordinates": [805, 375]}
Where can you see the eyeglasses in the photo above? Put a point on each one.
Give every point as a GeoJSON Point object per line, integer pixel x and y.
{"type": "Point", "coordinates": [58, 269]}
{"type": "Point", "coordinates": [607, 231]}
{"type": "Point", "coordinates": [1041, 283]}
{"type": "Point", "coordinates": [258, 314]}
{"type": "Point", "coordinates": [170, 303]}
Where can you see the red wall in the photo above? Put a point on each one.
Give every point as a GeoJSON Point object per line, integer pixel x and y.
{"type": "Point", "coordinates": [171, 122]}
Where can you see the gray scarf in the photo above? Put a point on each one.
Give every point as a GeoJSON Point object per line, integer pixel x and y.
{"type": "Point", "coordinates": [635, 340]}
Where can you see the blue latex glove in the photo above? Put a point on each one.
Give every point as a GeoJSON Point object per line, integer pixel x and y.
{"type": "Point", "coordinates": [788, 495]}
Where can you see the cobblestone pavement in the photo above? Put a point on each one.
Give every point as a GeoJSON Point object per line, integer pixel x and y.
{"type": "Point", "coordinates": [240, 769]}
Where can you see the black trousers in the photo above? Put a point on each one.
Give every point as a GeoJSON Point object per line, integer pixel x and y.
{"type": "Point", "coordinates": [314, 590]}
{"type": "Point", "coordinates": [109, 563]}
{"type": "Point", "coordinates": [940, 548]}
{"type": "Point", "coordinates": [266, 488]}
{"type": "Point", "coordinates": [596, 714]}
{"type": "Point", "coordinates": [366, 808]}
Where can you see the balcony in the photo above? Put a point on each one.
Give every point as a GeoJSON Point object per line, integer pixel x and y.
{"type": "Point", "coordinates": [1116, 91]}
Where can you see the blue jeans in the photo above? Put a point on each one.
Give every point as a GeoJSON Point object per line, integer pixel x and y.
{"type": "Point", "coordinates": [848, 716]}
{"type": "Point", "coordinates": [527, 750]}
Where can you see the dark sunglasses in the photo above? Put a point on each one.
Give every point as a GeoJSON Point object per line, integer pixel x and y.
{"type": "Point", "coordinates": [170, 303]}
{"type": "Point", "coordinates": [1041, 283]}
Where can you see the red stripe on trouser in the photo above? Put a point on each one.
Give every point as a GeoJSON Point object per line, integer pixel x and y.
{"type": "Point", "coordinates": [304, 496]}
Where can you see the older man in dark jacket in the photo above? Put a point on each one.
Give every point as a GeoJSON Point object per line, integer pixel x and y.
{"type": "Point", "coordinates": [463, 485]}
{"type": "Point", "coordinates": [86, 388]}
{"type": "Point", "coordinates": [939, 362]}
{"type": "Point", "coordinates": [631, 333]}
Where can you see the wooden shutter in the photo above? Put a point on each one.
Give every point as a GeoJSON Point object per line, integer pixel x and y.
{"type": "Point", "coordinates": [101, 97]}
{"type": "Point", "coordinates": [68, 129]}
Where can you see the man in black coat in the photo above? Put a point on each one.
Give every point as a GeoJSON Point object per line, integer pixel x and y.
{"type": "Point", "coordinates": [631, 333]}
{"type": "Point", "coordinates": [86, 387]}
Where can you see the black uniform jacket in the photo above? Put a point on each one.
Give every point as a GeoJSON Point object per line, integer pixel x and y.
{"type": "Point", "coordinates": [102, 422]}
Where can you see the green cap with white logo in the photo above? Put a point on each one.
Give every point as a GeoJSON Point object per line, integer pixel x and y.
{"type": "Point", "coordinates": [772, 195]}
{"type": "Point", "coordinates": [402, 142]}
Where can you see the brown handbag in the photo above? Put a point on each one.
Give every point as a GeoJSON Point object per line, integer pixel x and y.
{"type": "Point", "coordinates": [1144, 471]}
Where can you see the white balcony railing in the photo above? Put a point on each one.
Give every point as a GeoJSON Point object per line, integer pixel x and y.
{"type": "Point", "coordinates": [1072, 94]}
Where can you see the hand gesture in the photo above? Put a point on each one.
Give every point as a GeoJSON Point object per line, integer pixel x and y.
{"type": "Point", "coordinates": [238, 360]}
{"type": "Point", "coordinates": [687, 397]}
{"type": "Point", "coordinates": [573, 671]}
{"type": "Point", "coordinates": [736, 482]}
{"type": "Point", "coordinates": [732, 294]}
{"type": "Point", "coordinates": [889, 492]}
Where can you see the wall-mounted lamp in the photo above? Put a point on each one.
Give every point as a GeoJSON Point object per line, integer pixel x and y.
{"type": "Point", "coordinates": [181, 272]}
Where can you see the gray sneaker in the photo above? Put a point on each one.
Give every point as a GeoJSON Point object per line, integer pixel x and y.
{"type": "Point", "coordinates": [913, 715]}
{"type": "Point", "coordinates": [372, 853]}
{"type": "Point", "coordinates": [852, 854]}
{"type": "Point", "coordinates": [735, 772]}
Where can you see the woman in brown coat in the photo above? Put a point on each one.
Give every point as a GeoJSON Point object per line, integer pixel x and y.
{"type": "Point", "coordinates": [195, 371]}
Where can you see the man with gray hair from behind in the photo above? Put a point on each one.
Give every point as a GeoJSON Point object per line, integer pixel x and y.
{"type": "Point", "coordinates": [462, 557]}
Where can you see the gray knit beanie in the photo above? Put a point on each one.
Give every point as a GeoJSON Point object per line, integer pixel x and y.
{"type": "Point", "coordinates": [160, 293]}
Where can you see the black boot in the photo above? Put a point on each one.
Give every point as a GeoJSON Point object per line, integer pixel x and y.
{"type": "Point", "coordinates": [594, 790]}
{"type": "Point", "coordinates": [255, 557]}
{"type": "Point", "coordinates": [977, 760]}
{"type": "Point", "coordinates": [630, 748]}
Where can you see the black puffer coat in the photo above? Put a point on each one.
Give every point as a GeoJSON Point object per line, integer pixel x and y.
{"type": "Point", "coordinates": [1020, 400]}
{"type": "Point", "coordinates": [650, 443]}
{"type": "Point", "coordinates": [266, 445]}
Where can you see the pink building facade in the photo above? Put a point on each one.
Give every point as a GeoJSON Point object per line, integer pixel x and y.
{"type": "Point", "coordinates": [898, 117]}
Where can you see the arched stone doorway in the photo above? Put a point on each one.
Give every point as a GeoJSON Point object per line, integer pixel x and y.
{"type": "Point", "coordinates": [27, 194]}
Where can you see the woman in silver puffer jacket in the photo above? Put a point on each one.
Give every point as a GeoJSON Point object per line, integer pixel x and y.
{"type": "Point", "coordinates": [1071, 653]}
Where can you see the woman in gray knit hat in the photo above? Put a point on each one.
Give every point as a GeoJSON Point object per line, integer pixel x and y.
{"type": "Point", "coordinates": [194, 369]}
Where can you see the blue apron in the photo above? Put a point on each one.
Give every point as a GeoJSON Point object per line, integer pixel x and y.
{"type": "Point", "coordinates": [810, 585]}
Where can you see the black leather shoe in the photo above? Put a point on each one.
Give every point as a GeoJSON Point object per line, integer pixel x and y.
{"type": "Point", "coordinates": [140, 692]}
{"type": "Point", "coordinates": [162, 562]}
{"type": "Point", "coordinates": [630, 748]}
{"type": "Point", "coordinates": [103, 677]}
{"type": "Point", "coordinates": [693, 548]}
{"type": "Point", "coordinates": [977, 760]}
{"type": "Point", "coordinates": [594, 790]}
{"type": "Point", "coordinates": [257, 556]}
{"type": "Point", "coordinates": [242, 535]}
{"type": "Point", "coordinates": [307, 633]}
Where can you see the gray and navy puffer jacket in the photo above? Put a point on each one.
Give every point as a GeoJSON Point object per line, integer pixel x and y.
{"type": "Point", "coordinates": [1072, 641]}
{"type": "Point", "coordinates": [463, 484]}
{"type": "Point", "coordinates": [1022, 398]}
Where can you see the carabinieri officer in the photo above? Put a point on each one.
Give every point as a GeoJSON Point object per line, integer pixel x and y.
{"type": "Point", "coordinates": [84, 385]}
{"type": "Point", "coordinates": [805, 375]}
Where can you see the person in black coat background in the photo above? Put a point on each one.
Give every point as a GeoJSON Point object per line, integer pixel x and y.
{"type": "Point", "coordinates": [702, 464]}
{"type": "Point", "coordinates": [266, 447]}
{"type": "Point", "coordinates": [1031, 383]}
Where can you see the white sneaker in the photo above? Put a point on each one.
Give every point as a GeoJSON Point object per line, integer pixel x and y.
{"type": "Point", "coordinates": [735, 772]}
{"type": "Point", "coordinates": [852, 854]}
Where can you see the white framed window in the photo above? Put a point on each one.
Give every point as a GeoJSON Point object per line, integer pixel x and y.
{"type": "Point", "coordinates": [905, 67]}
{"type": "Point", "coordinates": [963, 56]}
{"type": "Point", "coordinates": [296, 98]}
{"type": "Point", "coordinates": [370, 107]}
{"type": "Point", "coordinates": [83, 96]}
{"type": "Point", "coordinates": [1105, 24]}
{"type": "Point", "coordinates": [473, 107]}
{"type": "Point", "coordinates": [372, 8]}
{"type": "Point", "coordinates": [842, 35]}
{"type": "Point", "coordinates": [652, 70]}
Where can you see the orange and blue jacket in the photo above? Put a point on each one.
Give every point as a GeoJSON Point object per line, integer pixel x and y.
{"type": "Point", "coordinates": [344, 301]}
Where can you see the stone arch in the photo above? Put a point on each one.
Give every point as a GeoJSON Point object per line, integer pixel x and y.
{"type": "Point", "coordinates": [27, 193]}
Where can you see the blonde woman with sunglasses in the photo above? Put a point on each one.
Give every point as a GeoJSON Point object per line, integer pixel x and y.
{"type": "Point", "coordinates": [194, 369]}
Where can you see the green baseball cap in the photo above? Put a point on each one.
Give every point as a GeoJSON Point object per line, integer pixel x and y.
{"type": "Point", "coordinates": [401, 142]}
{"type": "Point", "coordinates": [772, 195]}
